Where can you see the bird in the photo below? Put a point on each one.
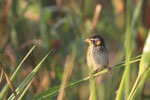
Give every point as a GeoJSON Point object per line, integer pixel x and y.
{"type": "Point", "coordinates": [97, 53]}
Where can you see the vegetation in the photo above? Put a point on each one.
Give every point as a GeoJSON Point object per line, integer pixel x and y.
{"type": "Point", "coordinates": [42, 49]}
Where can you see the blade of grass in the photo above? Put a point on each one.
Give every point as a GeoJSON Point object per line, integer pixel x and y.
{"type": "Point", "coordinates": [122, 84]}
{"type": "Point", "coordinates": [5, 88]}
{"type": "Point", "coordinates": [2, 73]}
{"type": "Point", "coordinates": [48, 93]}
{"type": "Point", "coordinates": [92, 88]}
{"type": "Point", "coordinates": [130, 30]}
{"type": "Point", "coordinates": [145, 60]}
{"type": "Point", "coordinates": [25, 90]}
{"type": "Point", "coordinates": [128, 51]}
{"type": "Point", "coordinates": [136, 13]}
{"type": "Point", "coordinates": [54, 90]}
{"type": "Point", "coordinates": [66, 75]}
{"type": "Point", "coordinates": [139, 87]}
{"type": "Point", "coordinates": [29, 77]}
{"type": "Point", "coordinates": [96, 16]}
{"type": "Point", "coordinates": [8, 81]}
{"type": "Point", "coordinates": [144, 70]}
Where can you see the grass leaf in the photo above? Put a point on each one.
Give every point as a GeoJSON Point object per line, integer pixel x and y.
{"type": "Point", "coordinates": [144, 70]}
{"type": "Point", "coordinates": [54, 90]}
{"type": "Point", "coordinates": [29, 77]}
{"type": "Point", "coordinates": [6, 87]}
{"type": "Point", "coordinates": [25, 90]}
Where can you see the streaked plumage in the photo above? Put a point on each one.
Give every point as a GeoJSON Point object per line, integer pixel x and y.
{"type": "Point", "coordinates": [97, 55]}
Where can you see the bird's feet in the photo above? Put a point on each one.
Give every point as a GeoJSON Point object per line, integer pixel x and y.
{"type": "Point", "coordinates": [109, 69]}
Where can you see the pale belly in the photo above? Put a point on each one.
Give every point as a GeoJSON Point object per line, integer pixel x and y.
{"type": "Point", "coordinates": [97, 60]}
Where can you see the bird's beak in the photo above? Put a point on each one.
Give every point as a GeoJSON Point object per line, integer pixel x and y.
{"type": "Point", "coordinates": [87, 40]}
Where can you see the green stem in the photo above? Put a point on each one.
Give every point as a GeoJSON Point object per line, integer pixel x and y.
{"type": "Point", "coordinates": [45, 95]}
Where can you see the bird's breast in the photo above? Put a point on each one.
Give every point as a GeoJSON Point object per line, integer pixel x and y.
{"type": "Point", "coordinates": [97, 58]}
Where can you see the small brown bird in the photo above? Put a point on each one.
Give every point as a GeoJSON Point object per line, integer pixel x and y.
{"type": "Point", "coordinates": [97, 54]}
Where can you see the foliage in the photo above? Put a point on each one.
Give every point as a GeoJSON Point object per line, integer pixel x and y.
{"type": "Point", "coordinates": [62, 26]}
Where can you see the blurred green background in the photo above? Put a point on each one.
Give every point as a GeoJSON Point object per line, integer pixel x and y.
{"type": "Point", "coordinates": [63, 25]}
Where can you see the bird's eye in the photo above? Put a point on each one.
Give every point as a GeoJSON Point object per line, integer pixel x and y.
{"type": "Point", "coordinates": [93, 40]}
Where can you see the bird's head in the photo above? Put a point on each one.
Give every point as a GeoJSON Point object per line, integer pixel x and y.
{"type": "Point", "coordinates": [96, 41]}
